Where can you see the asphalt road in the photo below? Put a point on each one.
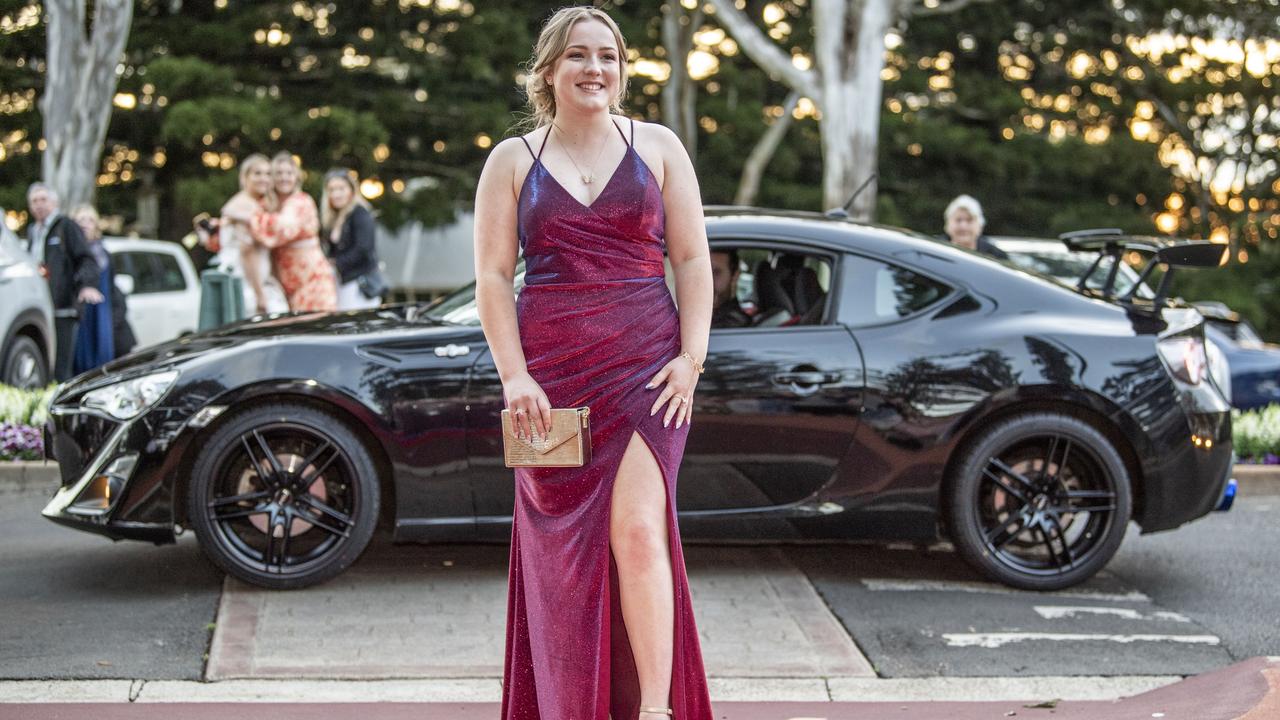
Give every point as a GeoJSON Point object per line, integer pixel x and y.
{"type": "Point", "coordinates": [74, 605]}
{"type": "Point", "coordinates": [1181, 602]}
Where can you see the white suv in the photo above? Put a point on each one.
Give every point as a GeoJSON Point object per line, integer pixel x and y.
{"type": "Point", "coordinates": [26, 316]}
{"type": "Point", "coordinates": [161, 284]}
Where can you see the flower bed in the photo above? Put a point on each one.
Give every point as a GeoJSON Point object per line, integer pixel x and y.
{"type": "Point", "coordinates": [22, 412]}
{"type": "Point", "coordinates": [1257, 435]}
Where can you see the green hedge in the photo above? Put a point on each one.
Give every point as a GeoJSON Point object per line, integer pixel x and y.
{"type": "Point", "coordinates": [25, 407]}
{"type": "Point", "coordinates": [1257, 434]}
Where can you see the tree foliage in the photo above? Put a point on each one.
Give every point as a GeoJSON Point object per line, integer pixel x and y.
{"type": "Point", "coordinates": [1056, 115]}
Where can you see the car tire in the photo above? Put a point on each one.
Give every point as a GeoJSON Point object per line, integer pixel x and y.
{"type": "Point", "coordinates": [294, 469]}
{"type": "Point", "coordinates": [24, 365]}
{"type": "Point", "coordinates": [1039, 501]}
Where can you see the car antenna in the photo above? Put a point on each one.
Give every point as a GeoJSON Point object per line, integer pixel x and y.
{"type": "Point", "coordinates": [843, 212]}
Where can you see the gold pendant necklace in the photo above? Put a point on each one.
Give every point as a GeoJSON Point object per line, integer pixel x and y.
{"type": "Point", "coordinates": [587, 178]}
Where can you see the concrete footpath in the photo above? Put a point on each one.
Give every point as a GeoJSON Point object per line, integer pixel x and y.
{"type": "Point", "coordinates": [1249, 690]}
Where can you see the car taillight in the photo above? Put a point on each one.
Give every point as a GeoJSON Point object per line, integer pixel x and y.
{"type": "Point", "coordinates": [1185, 357]}
{"type": "Point", "coordinates": [1218, 370]}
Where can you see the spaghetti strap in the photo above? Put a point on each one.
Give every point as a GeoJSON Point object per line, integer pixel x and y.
{"type": "Point", "coordinates": [633, 132]}
{"type": "Point", "coordinates": [624, 135]}
{"type": "Point", "coordinates": [543, 146]}
{"type": "Point", "coordinates": [529, 147]}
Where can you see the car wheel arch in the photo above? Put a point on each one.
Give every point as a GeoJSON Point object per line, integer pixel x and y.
{"type": "Point", "coordinates": [29, 323]}
{"type": "Point", "coordinates": [274, 393]}
{"type": "Point", "coordinates": [1086, 408]}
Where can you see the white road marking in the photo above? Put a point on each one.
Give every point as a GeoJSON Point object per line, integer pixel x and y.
{"type": "Point", "coordinates": [1058, 612]}
{"type": "Point", "coordinates": [890, 585]}
{"type": "Point", "coordinates": [998, 639]}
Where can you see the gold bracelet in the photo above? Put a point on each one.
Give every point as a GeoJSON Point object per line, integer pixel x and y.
{"type": "Point", "coordinates": [696, 365]}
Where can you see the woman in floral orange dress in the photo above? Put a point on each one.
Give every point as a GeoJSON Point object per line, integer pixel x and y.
{"type": "Point", "coordinates": [292, 234]}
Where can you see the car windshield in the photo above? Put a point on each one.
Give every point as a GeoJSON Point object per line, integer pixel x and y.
{"type": "Point", "coordinates": [459, 306]}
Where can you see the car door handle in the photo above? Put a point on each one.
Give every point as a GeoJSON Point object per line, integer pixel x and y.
{"type": "Point", "coordinates": [806, 377]}
{"type": "Point", "coordinates": [452, 350]}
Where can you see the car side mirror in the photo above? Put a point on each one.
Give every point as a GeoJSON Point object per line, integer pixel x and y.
{"type": "Point", "coordinates": [124, 283]}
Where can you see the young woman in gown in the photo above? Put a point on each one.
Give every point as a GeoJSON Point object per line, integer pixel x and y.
{"type": "Point", "coordinates": [292, 233]}
{"type": "Point", "coordinates": [237, 253]}
{"type": "Point", "coordinates": [599, 622]}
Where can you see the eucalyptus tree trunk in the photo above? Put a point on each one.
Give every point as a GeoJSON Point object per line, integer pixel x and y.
{"type": "Point", "coordinates": [844, 82]}
{"type": "Point", "coordinates": [80, 83]}
{"type": "Point", "coordinates": [680, 91]}
{"type": "Point", "coordinates": [762, 153]}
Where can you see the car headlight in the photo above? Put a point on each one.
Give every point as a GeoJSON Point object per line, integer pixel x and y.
{"type": "Point", "coordinates": [129, 398]}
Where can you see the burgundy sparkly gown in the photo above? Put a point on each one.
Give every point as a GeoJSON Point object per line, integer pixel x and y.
{"type": "Point", "coordinates": [596, 323]}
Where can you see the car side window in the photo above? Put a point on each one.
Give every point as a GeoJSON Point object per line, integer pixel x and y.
{"type": "Point", "coordinates": [879, 292]}
{"type": "Point", "coordinates": [168, 273]}
{"type": "Point", "coordinates": [144, 269]}
{"type": "Point", "coordinates": [766, 287]}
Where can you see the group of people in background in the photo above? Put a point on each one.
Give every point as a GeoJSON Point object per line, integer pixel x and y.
{"type": "Point", "coordinates": [90, 328]}
{"type": "Point", "coordinates": [292, 254]}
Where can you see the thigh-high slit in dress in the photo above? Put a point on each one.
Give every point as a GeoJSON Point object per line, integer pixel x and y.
{"type": "Point", "coordinates": [597, 322]}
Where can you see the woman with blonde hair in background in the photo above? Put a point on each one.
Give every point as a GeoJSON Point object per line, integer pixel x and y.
{"type": "Point", "coordinates": [349, 228]}
{"type": "Point", "coordinates": [599, 617]}
{"type": "Point", "coordinates": [231, 237]}
{"type": "Point", "coordinates": [292, 233]}
{"type": "Point", "coordinates": [95, 339]}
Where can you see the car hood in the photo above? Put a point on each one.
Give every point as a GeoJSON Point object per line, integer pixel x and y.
{"type": "Point", "coordinates": [378, 322]}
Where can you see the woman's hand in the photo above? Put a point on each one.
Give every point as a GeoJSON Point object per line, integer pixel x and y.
{"type": "Point", "coordinates": [681, 379]}
{"type": "Point", "coordinates": [530, 409]}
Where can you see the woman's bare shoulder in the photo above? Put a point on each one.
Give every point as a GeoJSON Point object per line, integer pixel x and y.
{"type": "Point", "coordinates": [657, 135]}
{"type": "Point", "coordinates": [510, 155]}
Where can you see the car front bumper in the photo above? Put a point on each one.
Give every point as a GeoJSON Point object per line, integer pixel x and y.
{"type": "Point", "coordinates": [109, 479]}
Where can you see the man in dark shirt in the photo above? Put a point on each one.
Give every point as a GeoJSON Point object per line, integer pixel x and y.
{"type": "Point", "coordinates": [724, 279]}
{"type": "Point", "coordinates": [58, 245]}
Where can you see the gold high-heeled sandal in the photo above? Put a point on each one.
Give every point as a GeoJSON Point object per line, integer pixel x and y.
{"type": "Point", "coordinates": [660, 711]}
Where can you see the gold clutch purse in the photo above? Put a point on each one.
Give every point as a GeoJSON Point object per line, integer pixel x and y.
{"type": "Point", "coordinates": [568, 443]}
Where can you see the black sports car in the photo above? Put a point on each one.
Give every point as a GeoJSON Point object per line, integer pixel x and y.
{"type": "Point", "coordinates": [876, 384]}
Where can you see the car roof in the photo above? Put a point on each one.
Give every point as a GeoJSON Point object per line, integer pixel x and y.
{"type": "Point", "coordinates": [1041, 246]}
{"type": "Point", "coordinates": [117, 244]}
{"type": "Point", "coordinates": [838, 231]}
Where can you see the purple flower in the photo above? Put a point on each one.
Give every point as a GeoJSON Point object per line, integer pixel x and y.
{"type": "Point", "coordinates": [20, 442]}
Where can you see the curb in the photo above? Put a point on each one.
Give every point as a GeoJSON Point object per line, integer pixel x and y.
{"type": "Point", "coordinates": [28, 475]}
{"type": "Point", "coordinates": [1033, 689]}
{"type": "Point", "coordinates": [1258, 479]}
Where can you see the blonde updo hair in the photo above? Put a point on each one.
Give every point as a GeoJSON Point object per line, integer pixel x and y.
{"type": "Point", "coordinates": [551, 43]}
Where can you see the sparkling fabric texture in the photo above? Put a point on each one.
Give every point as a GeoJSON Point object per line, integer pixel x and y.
{"type": "Point", "coordinates": [596, 323]}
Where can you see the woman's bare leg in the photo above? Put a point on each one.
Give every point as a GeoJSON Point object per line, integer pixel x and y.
{"type": "Point", "coordinates": [250, 257]}
{"type": "Point", "coordinates": [638, 536]}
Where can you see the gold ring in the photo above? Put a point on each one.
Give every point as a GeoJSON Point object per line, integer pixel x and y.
{"type": "Point", "coordinates": [518, 411]}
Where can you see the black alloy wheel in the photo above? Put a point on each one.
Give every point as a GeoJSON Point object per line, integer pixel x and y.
{"type": "Point", "coordinates": [283, 496]}
{"type": "Point", "coordinates": [24, 365]}
{"type": "Point", "coordinates": [1040, 502]}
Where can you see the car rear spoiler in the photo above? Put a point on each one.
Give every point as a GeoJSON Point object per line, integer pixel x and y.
{"type": "Point", "coordinates": [1112, 242]}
